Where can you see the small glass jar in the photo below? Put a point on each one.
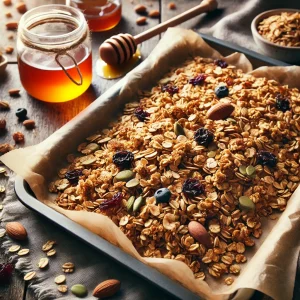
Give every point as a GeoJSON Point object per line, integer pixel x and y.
{"type": "Point", "coordinates": [101, 15]}
{"type": "Point", "coordinates": [54, 53]}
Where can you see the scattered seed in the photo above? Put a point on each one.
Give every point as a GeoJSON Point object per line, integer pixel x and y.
{"type": "Point", "coordinates": [43, 263]}
{"type": "Point", "coordinates": [132, 183]}
{"type": "Point", "coordinates": [250, 170]}
{"type": "Point", "coordinates": [2, 189]}
{"type": "Point", "coordinates": [60, 279]}
{"type": "Point", "coordinates": [51, 252]}
{"type": "Point", "coordinates": [246, 203]}
{"type": "Point", "coordinates": [48, 246]}
{"type": "Point", "coordinates": [124, 175]}
{"type": "Point", "coordinates": [141, 21]}
{"type": "Point", "coordinates": [178, 129]}
{"type": "Point", "coordinates": [29, 276]}
{"type": "Point", "coordinates": [23, 252]}
{"type": "Point", "coordinates": [79, 290]}
{"type": "Point", "coordinates": [130, 202]}
{"type": "Point", "coordinates": [62, 288]}
{"type": "Point", "coordinates": [242, 170]}
{"type": "Point", "coordinates": [2, 232]}
{"type": "Point", "coordinates": [138, 203]}
{"type": "Point", "coordinates": [211, 153]}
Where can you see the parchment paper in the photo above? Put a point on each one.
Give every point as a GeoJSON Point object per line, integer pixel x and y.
{"type": "Point", "coordinates": [271, 263]}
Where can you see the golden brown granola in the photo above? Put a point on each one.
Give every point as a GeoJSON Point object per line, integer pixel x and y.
{"type": "Point", "coordinates": [266, 117]}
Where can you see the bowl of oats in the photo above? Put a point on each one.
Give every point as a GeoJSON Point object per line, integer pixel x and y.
{"type": "Point", "coordinates": [277, 33]}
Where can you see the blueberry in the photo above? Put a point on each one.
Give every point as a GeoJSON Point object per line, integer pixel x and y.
{"type": "Point", "coordinates": [21, 113]}
{"type": "Point", "coordinates": [162, 195]}
{"type": "Point", "coordinates": [222, 91]}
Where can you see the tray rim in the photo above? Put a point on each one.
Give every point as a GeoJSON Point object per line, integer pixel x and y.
{"type": "Point", "coordinates": [150, 274]}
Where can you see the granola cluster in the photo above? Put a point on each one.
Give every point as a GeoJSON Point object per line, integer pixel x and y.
{"type": "Point", "coordinates": [283, 29]}
{"type": "Point", "coordinates": [246, 170]}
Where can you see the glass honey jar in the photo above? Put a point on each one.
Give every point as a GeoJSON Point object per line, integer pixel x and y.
{"type": "Point", "coordinates": [101, 15]}
{"type": "Point", "coordinates": [54, 53]}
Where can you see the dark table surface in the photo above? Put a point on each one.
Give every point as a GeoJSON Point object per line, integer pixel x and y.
{"type": "Point", "coordinates": [61, 113]}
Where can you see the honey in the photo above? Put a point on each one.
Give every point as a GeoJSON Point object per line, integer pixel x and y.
{"type": "Point", "coordinates": [101, 15]}
{"type": "Point", "coordinates": [111, 72]}
{"type": "Point", "coordinates": [50, 83]}
{"type": "Point", "coordinates": [54, 53]}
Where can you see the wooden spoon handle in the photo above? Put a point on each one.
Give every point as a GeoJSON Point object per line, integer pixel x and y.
{"type": "Point", "coordinates": [205, 6]}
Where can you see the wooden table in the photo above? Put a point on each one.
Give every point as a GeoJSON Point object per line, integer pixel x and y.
{"type": "Point", "coordinates": [49, 117]}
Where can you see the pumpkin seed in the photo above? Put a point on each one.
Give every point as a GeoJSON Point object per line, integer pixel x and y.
{"type": "Point", "coordinates": [60, 279]}
{"type": "Point", "coordinates": [62, 288]}
{"type": "Point", "coordinates": [242, 170]}
{"type": "Point", "coordinates": [14, 248]}
{"type": "Point", "coordinates": [246, 203]}
{"type": "Point", "coordinates": [132, 183]}
{"type": "Point", "coordinates": [138, 203]}
{"type": "Point", "coordinates": [92, 147]}
{"type": "Point", "coordinates": [43, 263]}
{"type": "Point", "coordinates": [130, 202]}
{"type": "Point", "coordinates": [79, 290]}
{"type": "Point", "coordinates": [51, 252]}
{"type": "Point", "coordinates": [124, 175]}
{"type": "Point", "coordinates": [178, 129]}
{"type": "Point", "coordinates": [250, 170]}
{"type": "Point", "coordinates": [211, 154]}
{"type": "Point", "coordinates": [89, 161]}
{"type": "Point", "coordinates": [29, 276]}
{"type": "Point", "coordinates": [23, 252]}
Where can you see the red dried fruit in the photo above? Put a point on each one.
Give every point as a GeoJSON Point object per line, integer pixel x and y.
{"type": "Point", "coordinates": [18, 137]}
{"type": "Point", "coordinates": [266, 158]}
{"type": "Point", "coordinates": [73, 176]}
{"type": "Point", "coordinates": [198, 79]}
{"type": "Point", "coordinates": [203, 136]}
{"type": "Point", "coordinates": [170, 89]}
{"type": "Point", "coordinates": [113, 203]}
{"type": "Point", "coordinates": [123, 159]}
{"type": "Point", "coordinates": [192, 187]}
{"type": "Point", "coordinates": [141, 114]}
{"type": "Point", "coordinates": [282, 103]}
{"type": "Point", "coordinates": [221, 63]}
{"type": "Point", "coordinates": [6, 271]}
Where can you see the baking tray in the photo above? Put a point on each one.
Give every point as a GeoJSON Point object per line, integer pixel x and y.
{"type": "Point", "coordinates": [26, 196]}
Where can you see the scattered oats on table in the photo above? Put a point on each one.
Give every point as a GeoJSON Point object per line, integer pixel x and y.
{"type": "Point", "coordinates": [226, 174]}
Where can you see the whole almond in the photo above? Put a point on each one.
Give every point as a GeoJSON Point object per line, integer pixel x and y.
{"type": "Point", "coordinates": [14, 92]}
{"type": "Point", "coordinates": [16, 231]}
{"type": "Point", "coordinates": [199, 233]}
{"type": "Point", "coordinates": [11, 25]}
{"type": "Point", "coordinates": [21, 7]}
{"type": "Point", "coordinates": [29, 124]}
{"type": "Point", "coordinates": [154, 13]}
{"type": "Point", "coordinates": [140, 9]}
{"type": "Point", "coordinates": [141, 21]}
{"type": "Point", "coordinates": [7, 2]}
{"type": "Point", "coordinates": [8, 14]}
{"type": "Point", "coordinates": [220, 111]}
{"type": "Point", "coordinates": [172, 5]}
{"type": "Point", "coordinates": [107, 288]}
{"type": "Point", "coordinates": [9, 50]}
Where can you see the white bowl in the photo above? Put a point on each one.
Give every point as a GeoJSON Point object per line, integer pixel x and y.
{"type": "Point", "coordinates": [284, 53]}
{"type": "Point", "coordinates": [3, 64]}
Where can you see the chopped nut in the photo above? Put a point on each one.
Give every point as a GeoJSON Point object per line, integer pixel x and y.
{"type": "Point", "coordinates": [141, 21]}
{"type": "Point", "coordinates": [229, 280]}
{"type": "Point", "coordinates": [18, 137]}
{"type": "Point", "coordinates": [4, 148]}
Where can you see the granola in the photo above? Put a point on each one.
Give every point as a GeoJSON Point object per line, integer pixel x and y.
{"type": "Point", "coordinates": [283, 29]}
{"type": "Point", "coordinates": [247, 160]}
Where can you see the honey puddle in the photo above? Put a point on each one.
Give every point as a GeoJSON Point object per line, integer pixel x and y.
{"type": "Point", "coordinates": [111, 72]}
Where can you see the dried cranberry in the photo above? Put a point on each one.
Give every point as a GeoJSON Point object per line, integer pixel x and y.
{"type": "Point", "coordinates": [203, 136]}
{"type": "Point", "coordinates": [198, 79]}
{"type": "Point", "coordinates": [123, 159]}
{"type": "Point", "coordinates": [5, 272]}
{"type": "Point", "coordinates": [282, 103]}
{"type": "Point", "coordinates": [192, 187]}
{"type": "Point", "coordinates": [73, 176]}
{"type": "Point", "coordinates": [221, 63]}
{"type": "Point", "coordinates": [114, 202]}
{"type": "Point", "coordinates": [141, 114]}
{"type": "Point", "coordinates": [170, 89]}
{"type": "Point", "coordinates": [266, 158]}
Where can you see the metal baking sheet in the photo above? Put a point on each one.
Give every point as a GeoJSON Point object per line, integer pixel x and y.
{"type": "Point", "coordinates": [26, 196]}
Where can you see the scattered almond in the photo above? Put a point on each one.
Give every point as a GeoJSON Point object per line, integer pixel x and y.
{"type": "Point", "coordinates": [8, 14]}
{"type": "Point", "coordinates": [16, 231]}
{"type": "Point", "coordinates": [21, 7]}
{"type": "Point", "coordinates": [199, 233]}
{"type": "Point", "coordinates": [154, 13]}
{"type": "Point", "coordinates": [141, 21]}
{"type": "Point", "coordinates": [18, 137]}
{"type": "Point", "coordinates": [14, 92]}
{"type": "Point", "coordinates": [4, 148]}
{"type": "Point", "coordinates": [2, 124]}
{"type": "Point", "coordinates": [172, 5]}
{"type": "Point", "coordinates": [220, 111]}
{"type": "Point", "coordinates": [9, 50]}
{"type": "Point", "coordinates": [11, 25]}
{"type": "Point", "coordinates": [107, 288]}
{"type": "Point", "coordinates": [29, 124]}
{"type": "Point", "coordinates": [7, 2]}
{"type": "Point", "coordinates": [140, 9]}
{"type": "Point", "coordinates": [4, 105]}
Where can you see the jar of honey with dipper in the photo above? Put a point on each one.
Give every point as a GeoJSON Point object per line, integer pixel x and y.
{"type": "Point", "coordinates": [101, 15]}
{"type": "Point", "coordinates": [54, 53]}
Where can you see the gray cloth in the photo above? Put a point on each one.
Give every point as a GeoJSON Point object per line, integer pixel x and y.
{"type": "Point", "coordinates": [231, 22]}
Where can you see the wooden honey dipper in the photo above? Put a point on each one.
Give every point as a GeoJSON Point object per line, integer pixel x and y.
{"type": "Point", "coordinates": [120, 48]}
